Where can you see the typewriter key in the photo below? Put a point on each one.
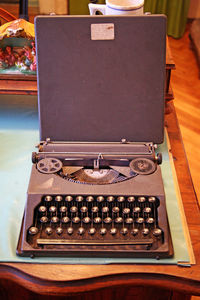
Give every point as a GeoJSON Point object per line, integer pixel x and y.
{"type": "Point", "coordinates": [58, 198]}
{"type": "Point", "coordinates": [145, 231]}
{"type": "Point", "coordinates": [86, 220]}
{"type": "Point", "coordinates": [52, 209]}
{"type": "Point", "coordinates": [33, 230]}
{"type": "Point", "coordinates": [103, 231]}
{"type": "Point", "coordinates": [150, 220]}
{"type": "Point", "coordinates": [70, 230]}
{"type": "Point", "coordinates": [110, 198]}
{"type": "Point", "coordinates": [76, 220]}
{"type": "Point", "coordinates": [100, 199]}
{"type": "Point", "coordinates": [48, 199]}
{"type": "Point", "coordinates": [120, 199]}
{"type": "Point", "coordinates": [95, 209]}
{"type": "Point", "coordinates": [108, 220]}
{"type": "Point", "coordinates": [97, 220]}
{"type": "Point", "coordinates": [141, 199]}
{"type": "Point", "coordinates": [74, 209]}
{"type": "Point", "coordinates": [65, 220]}
{"type": "Point", "coordinates": [89, 199]}
{"type": "Point", "coordinates": [44, 219]}
{"type": "Point", "coordinates": [54, 220]}
{"type": "Point", "coordinates": [126, 211]}
{"type": "Point", "coordinates": [147, 210]}
{"type": "Point", "coordinates": [84, 209]}
{"type": "Point", "coordinates": [131, 199]}
{"type": "Point", "coordinates": [124, 231]}
{"type": "Point", "coordinates": [92, 230]}
{"type": "Point", "coordinates": [152, 199]}
{"type": "Point", "coordinates": [81, 230]}
{"type": "Point", "coordinates": [79, 199]}
{"type": "Point", "coordinates": [113, 231]}
{"type": "Point", "coordinates": [59, 230]}
{"type": "Point", "coordinates": [63, 209]}
{"type": "Point", "coordinates": [134, 231]}
{"type": "Point", "coordinates": [68, 198]}
{"type": "Point", "coordinates": [48, 230]}
{"type": "Point", "coordinates": [129, 220]}
{"type": "Point", "coordinates": [136, 209]}
{"type": "Point", "coordinates": [157, 232]}
{"type": "Point", "coordinates": [119, 220]}
{"type": "Point", "coordinates": [105, 209]}
{"type": "Point", "coordinates": [139, 220]}
{"type": "Point", "coordinates": [42, 209]}
{"type": "Point", "coordinates": [115, 209]}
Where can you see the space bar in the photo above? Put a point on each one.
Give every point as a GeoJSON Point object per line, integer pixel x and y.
{"type": "Point", "coordinates": [93, 243]}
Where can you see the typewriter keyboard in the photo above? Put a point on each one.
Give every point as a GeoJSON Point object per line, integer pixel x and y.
{"type": "Point", "coordinates": [96, 221]}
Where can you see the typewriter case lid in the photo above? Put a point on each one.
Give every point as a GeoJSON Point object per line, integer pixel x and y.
{"type": "Point", "coordinates": [101, 78]}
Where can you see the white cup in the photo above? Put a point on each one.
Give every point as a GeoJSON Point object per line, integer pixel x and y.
{"type": "Point", "coordinates": [118, 7]}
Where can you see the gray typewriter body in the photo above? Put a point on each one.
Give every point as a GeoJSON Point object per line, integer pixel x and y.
{"type": "Point", "coordinates": [96, 185]}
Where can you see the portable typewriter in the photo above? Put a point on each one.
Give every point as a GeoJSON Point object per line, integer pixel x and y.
{"type": "Point", "coordinates": [96, 186]}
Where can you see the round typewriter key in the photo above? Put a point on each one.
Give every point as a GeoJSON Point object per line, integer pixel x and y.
{"type": "Point", "coordinates": [81, 230]}
{"type": "Point", "coordinates": [124, 231]}
{"type": "Point", "coordinates": [115, 209]}
{"type": "Point", "coordinates": [92, 230]}
{"type": "Point", "coordinates": [152, 199]}
{"type": "Point", "coordinates": [44, 219]}
{"type": "Point", "coordinates": [74, 209]}
{"type": "Point", "coordinates": [119, 220]}
{"type": "Point", "coordinates": [48, 230]}
{"type": "Point", "coordinates": [110, 198]}
{"type": "Point", "coordinates": [70, 230]}
{"type": "Point", "coordinates": [100, 199]}
{"type": "Point", "coordinates": [48, 199]}
{"type": "Point", "coordinates": [65, 220]}
{"type": "Point", "coordinates": [68, 198]}
{"type": "Point", "coordinates": [33, 230]}
{"type": "Point", "coordinates": [84, 209]}
{"type": "Point", "coordinates": [97, 220]}
{"type": "Point", "coordinates": [157, 232]}
{"type": "Point", "coordinates": [136, 209]}
{"type": "Point", "coordinates": [54, 220]}
{"type": "Point", "coordinates": [107, 220]}
{"type": "Point", "coordinates": [126, 211]}
{"type": "Point", "coordinates": [105, 209]}
{"type": "Point", "coordinates": [103, 231]}
{"type": "Point", "coordinates": [63, 209]}
{"type": "Point", "coordinates": [129, 221]}
{"type": "Point", "coordinates": [145, 231]}
{"type": "Point", "coordinates": [131, 199]}
{"type": "Point", "coordinates": [139, 220]}
{"type": "Point", "coordinates": [147, 210]}
{"type": "Point", "coordinates": [113, 231]}
{"type": "Point", "coordinates": [59, 230]}
{"type": "Point", "coordinates": [58, 198]}
{"type": "Point", "coordinates": [141, 199]}
{"type": "Point", "coordinates": [52, 209]}
{"type": "Point", "coordinates": [150, 220]}
{"type": "Point", "coordinates": [42, 209]}
{"type": "Point", "coordinates": [120, 199]}
{"type": "Point", "coordinates": [86, 220]}
{"type": "Point", "coordinates": [134, 231]}
{"type": "Point", "coordinates": [79, 199]}
{"type": "Point", "coordinates": [95, 209]}
{"type": "Point", "coordinates": [76, 220]}
{"type": "Point", "coordinates": [89, 199]}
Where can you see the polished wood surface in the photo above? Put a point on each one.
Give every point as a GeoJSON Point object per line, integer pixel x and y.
{"type": "Point", "coordinates": [74, 279]}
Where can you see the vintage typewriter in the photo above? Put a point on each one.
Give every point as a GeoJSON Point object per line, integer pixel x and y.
{"type": "Point", "coordinates": [96, 186]}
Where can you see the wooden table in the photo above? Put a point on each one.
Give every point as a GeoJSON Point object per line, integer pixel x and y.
{"type": "Point", "coordinates": [22, 281]}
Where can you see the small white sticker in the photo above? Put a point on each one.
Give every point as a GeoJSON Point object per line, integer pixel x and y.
{"type": "Point", "coordinates": [102, 32]}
